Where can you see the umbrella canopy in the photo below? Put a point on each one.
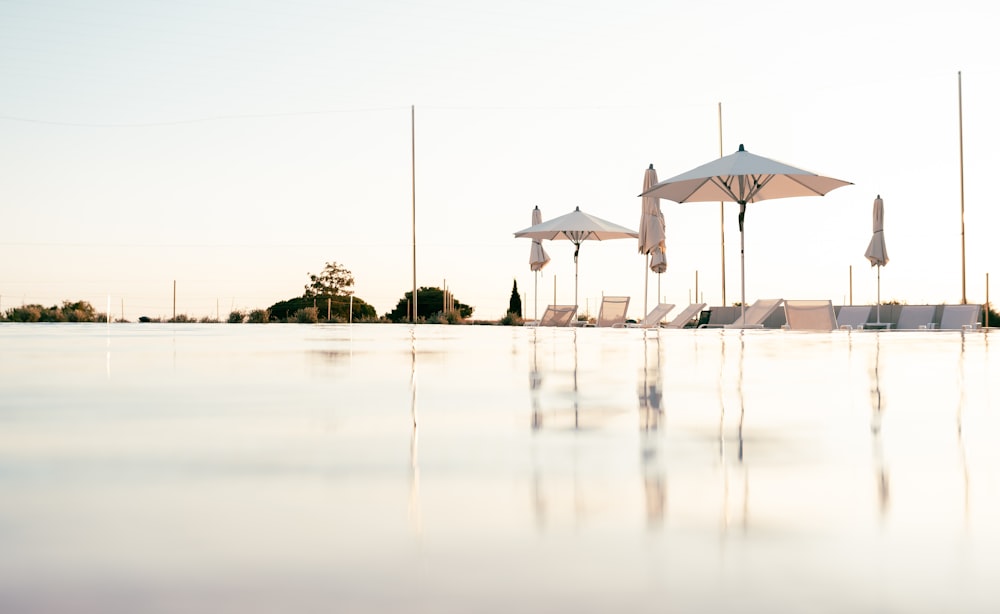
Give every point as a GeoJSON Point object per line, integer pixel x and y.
{"type": "Point", "coordinates": [577, 227]}
{"type": "Point", "coordinates": [538, 258]}
{"type": "Point", "coordinates": [743, 178]}
{"type": "Point", "coordinates": [876, 252]}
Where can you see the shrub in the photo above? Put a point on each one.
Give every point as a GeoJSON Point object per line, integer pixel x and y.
{"type": "Point", "coordinates": [307, 315]}
{"type": "Point", "coordinates": [511, 319]}
{"type": "Point", "coordinates": [258, 316]}
{"type": "Point", "coordinates": [236, 317]}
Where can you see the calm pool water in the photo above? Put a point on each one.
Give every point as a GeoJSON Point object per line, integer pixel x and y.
{"type": "Point", "coordinates": [389, 468]}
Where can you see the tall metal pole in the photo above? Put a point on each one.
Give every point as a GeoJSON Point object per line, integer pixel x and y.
{"type": "Point", "coordinates": [722, 221]}
{"type": "Point", "coordinates": [175, 300]}
{"type": "Point", "coordinates": [413, 191]}
{"type": "Point", "coordinates": [961, 179]}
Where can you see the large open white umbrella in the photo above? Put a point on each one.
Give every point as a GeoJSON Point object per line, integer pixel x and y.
{"type": "Point", "coordinates": [652, 234]}
{"type": "Point", "coordinates": [538, 258]}
{"type": "Point", "coordinates": [743, 178]}
{"type": "Point", "coordinates": [576, 227]}
{"type": "Point", "coordinates": [876, 252]}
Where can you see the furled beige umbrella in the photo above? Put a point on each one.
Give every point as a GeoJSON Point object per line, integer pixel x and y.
{"type": "Point", "coordinates": [876, 252]}
{"type": "Point", "coordinates": [743, 178]}
{"type": "Point", "coordinates": [652, 234]}
{"type": "Point", "coordinates": [576, 227]}
{"type": "Point", "coordinates": [538, 258]}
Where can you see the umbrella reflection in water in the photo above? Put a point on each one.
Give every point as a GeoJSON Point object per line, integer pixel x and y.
{"type": "Point", "coordinates": [650, 415]}
{"type": "Point", "coordinates": [878, 406]}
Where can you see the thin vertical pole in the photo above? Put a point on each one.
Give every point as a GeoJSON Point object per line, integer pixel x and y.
{"type": "Point", "coordinates": [850, 283]}
{"type": "Point", "coordinates": [413, 191]}
{"type": "Point", "coordinates": [722, 220]}
{"type": "Point", "coordinates": [961, 179]}
{"type": "Point", "coordinates": [696, 295]}
{"type": "Point", "coordinates": [175, 299]}
{"type": "Point", "coordinates": [986, 315]}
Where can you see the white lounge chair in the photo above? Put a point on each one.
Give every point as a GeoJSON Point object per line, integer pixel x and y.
{"type": "Point", "coordinates": [612, 313]}
{"type": "Point", "coordinates": [556, 315]}
{"type": "Point", "coordinates": [755, 314]}
{"type": "Point", "coordinates": [853, 316]}
{"type": "Point", "coordinates": [684, 318]}
{"type": "Point", "coordinates": [959, 317]}
{"type": "Point", "coordinates": [654, 317]}
{"type": "Point", "coordinates": [810, 315]}
{"type": "Point", "coordinates": [913, 317]}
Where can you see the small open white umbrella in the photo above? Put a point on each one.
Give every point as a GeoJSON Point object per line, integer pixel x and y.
{"type": "Point", "coordinates": [538, 258]}
{"type": "Point", "coordinates": [876, 252]}
{"type": "Point", "coordinates": [743, 178]}
{"type": "Point", "coordinates": [652, 234]}
{"type": "Point", "coordinates": [576, 227]}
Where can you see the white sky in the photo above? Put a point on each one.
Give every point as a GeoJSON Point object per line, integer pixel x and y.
{"type": "Point", "coordinates": [235, 146]}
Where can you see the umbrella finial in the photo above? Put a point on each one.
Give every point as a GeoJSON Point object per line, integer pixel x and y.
{"type": "Point", "coordinates": [741, 147]}
{"type": "Point", "coordinates": [878, 196]}
{"type": "Point", "coordinates": [650, 167]}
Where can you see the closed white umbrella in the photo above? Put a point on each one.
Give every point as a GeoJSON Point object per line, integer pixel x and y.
{"type": "Point", "coordinates": [876, 252]}
{"type": "Point", "coordinates": [652, 234]}
{"type": "Point", "coordinates": [743, 178]}
{"type": "Point", "coordinates": [577, 227]}
{"type": "Point", "coordinates": [538, 258]}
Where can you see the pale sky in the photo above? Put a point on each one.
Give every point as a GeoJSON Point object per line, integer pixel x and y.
{"type": "Point", "coordinates": [235, 146]}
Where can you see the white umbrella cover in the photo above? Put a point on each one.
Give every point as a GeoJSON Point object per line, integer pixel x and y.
{"type": "Point", "coordinates": [652, 233]}
{"type": "Point", "coordinates": [538, 258]}
{"type": "Point", "coordinates": [876, 252]}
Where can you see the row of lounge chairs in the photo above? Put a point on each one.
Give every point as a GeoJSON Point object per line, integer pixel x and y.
{"type": "Point", "coordinates": [798, 315]}
{"type": "Point", "coordinates": [612, 314]}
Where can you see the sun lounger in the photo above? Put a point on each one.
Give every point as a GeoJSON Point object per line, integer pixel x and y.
{"type": "Point", "coordinates": [556, 315]}
{"type": "Point", "coordinates": [810, 315]}
{"type": "Point", "coordinates": [718, 317]}
{"type": "Point", "coordinates": [612, 313]}
{"type": "Point", "coordinates": [684, 318]}
{"type": "Point", "coordinates": [913, 317]}
{"type": "Point", "coordinates": [756, 314]}
{"type": "Point", "coordinates": [853, 316]}
{"type": "Point", "coordinates": [959, 317]}
{"type": "Point", "coordinates": [654, 317]}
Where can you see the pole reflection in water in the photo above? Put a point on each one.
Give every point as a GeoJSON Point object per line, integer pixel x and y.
{"type": "Point", "coordinates": [414, 507]}
{"type": "Point", "coordinates": [725, 383]}
{"type": "Point", "coordinates": [958, 414]}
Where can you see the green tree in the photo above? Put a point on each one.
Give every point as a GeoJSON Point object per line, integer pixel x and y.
{"type": "Point", "coordinates": [335, 280]}
{"type": "Point", "coordinates": [430, 301]}
{"type": "Point", "coordinates": [515, 302]}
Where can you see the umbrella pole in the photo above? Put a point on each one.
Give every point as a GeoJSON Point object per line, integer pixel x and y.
{"type": "Point", "coordinates": [878, 296]}
{"type": "Point", "coordinates": [536, 295]}
{"type": "Point", "coordinates": [645, 295]}
{"type": "Point", "coordinates": [743, 274]}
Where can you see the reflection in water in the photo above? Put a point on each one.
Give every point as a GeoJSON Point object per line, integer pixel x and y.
{"type": "Point", "coordinates": [414, 507]}
{"type": "Point", "coordinates": [958, 419]}
{"type": "Point", "coordinates": [881, 468]}
{"type": "Point", "coordinates": [650, 416]}
{"type": "Point", "coordinates": [237, 418]}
